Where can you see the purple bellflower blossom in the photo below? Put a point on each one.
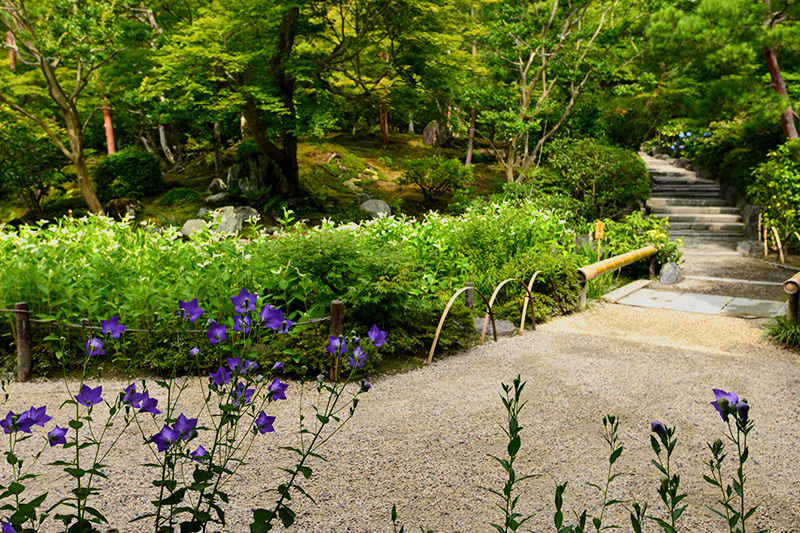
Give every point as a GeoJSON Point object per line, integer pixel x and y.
{"type": "Point", "coordinates": [57, 436]}
{"type": "Point", "coordinates": [194, 352]}
{"type": "Point", "coordinates": [186, 427]}
{"type": "Point", "coordinates": [742, 410]}
{"type": "Point", "coordinates": [189, 310]}
{"type": "Point", "coordinates": [215, 333]}
{"type": "Point", "coordinates": [365, 386]}
{"type": "Point", "coordinates": [13, 423]}
{"type": "Point", "coordinates": [725, 402]}
{"type": "Point", "coordinates": [244, 302]}
{"type": "Point", "coordinates": [89, 396]}
{"type": "Point", "coordinates": [39, 416]}
{"type": "Point", "coordinates": [278, 368]}
{"type": "Point", "coordinates": [149, 404]}
{"type": "Point", "coordinates": [264, 423]}
{"type": "Point", "coordinates": [200, 454]}
{"type": "Point", "coordinates": [337, 346]}
{"type": "Point", "coordinates": [6, 527]}
{"type": "Point", "coordinates": [165, 438]}
{"type": "Point", "coordinates": [285, 325]}
{"type": "Point", "coordinates": [271, 317]}
{"type": "Point", "coordinates": [235, 364]}
{"type": "Point", "coordinates": [277, 390]}
{"type": "Point", "coordinates": [131, 397]}
{"type": "Point", "coordinates": [112, 328]}
{"type": "Point", "coordinates": [94, 346]}
{"type": "Point", "coordinates": [358, 358]}
{"type": "Point", "coordinates": [242, 395]}
{"type": "Point", "coordinates": [376, 336]}
{"type": "Point", "coordinates": [242, 324]}
{"type": "Point", "coordinates": [220, 378]}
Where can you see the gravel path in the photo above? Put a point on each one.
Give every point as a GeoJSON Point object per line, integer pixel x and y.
{"type": "Point", "coordinates": [419, 440]}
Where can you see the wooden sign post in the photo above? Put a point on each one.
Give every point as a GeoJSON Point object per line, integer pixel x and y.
{"type": "Point", "coordinates": [599, 233]}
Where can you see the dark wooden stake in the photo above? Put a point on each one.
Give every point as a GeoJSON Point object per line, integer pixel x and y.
{"type": "Point", "coordinates": [24, 361]}
{"type": "Point", "coordinates": [336, 331]}
{"type": "Point", "coordinates": [653, 267]}
{"type": "Point", "coordinates": [469, 296]}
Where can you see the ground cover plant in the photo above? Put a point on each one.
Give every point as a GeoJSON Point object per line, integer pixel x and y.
{"type": "Point", "coordinates": [398, 268]}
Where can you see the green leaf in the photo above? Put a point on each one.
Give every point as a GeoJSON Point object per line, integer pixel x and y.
{"type": "Point", "coordinates": [615, 455]}
{"type": "Point", "coordinates": [286, 515]}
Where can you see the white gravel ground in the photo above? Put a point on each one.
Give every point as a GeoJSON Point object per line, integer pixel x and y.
{"type": "Point", "coordinates": [419, 440]}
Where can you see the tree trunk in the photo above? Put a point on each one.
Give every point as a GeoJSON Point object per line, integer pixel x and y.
{"type": "Point", "coordinates": [146, 144]}
{"type": "Point", "coordinates": [470, 146]}
{"type": "Point", "coordinates": [75, 133]}
{"type": "Point", "coordinates": [511, 157]}
{"type": "Point", "coordinates": [12, 55]}
{"type": "Point", "coordinates": [410, 123]}
{"type": "Point", "coordinates": [162, 137]}
{"type": "Point", "coordinates": [383, 111]}
{"type": "Point", "coordinates": [787, 116]}
{"type": "Point", "coordinates": [217, 151]}
{"type": "Point", "coordinates": [109, 126]}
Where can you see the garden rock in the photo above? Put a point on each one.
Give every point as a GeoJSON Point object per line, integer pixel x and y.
{"type": "Point", "coordinates": [749, 247]}
{"type": "Point", "coordinates": [431, 133]}
{"type": "Point", "coordinates": [192, 226]}
{"type": "Point", "coordinates": [231, 219]}
{"type": "Point", "coordinates": [505, 328]}
{"type": "Point", "coordinates": [670, 274]}
{"type": "Point", "coordinates": [202, 212]}
{"type": "Point", "coordinates": [252, 175]}
{"type": "Point", "coordinates": [378, 208]}
{"type": "Point", "coordinates": [215, 199]}
{"type": "Point", "coordinates": [363, 197]}
{"type": "Point", "coordinates": [217, 185]}
{"type": "Point", "coordinates": [682, 162]}
{"type": "Point", "coordinates": [121, 208]}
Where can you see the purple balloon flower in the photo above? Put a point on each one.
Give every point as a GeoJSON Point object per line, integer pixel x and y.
{"type": "Point", "coordinates": [376, 336]}
{"type": "Point", "coordinates": [278, 368]}
{"type": "Point", "coordinates": [337, 346]}
{"type": "Point", "coordinates": [39, 416]}
{"type": "Point", "coordinates": [185, 427]}
{"type": "Point", "coordinates": [358, 358]}
{"type": "Point", "coordinates": [365, 386]}
{"type": "Point", "coordinates": [742, 410]}
{"type": "Point", "coordinates": [194, 352]}
{"type": "Point", "coordinates": [189, 310]}
{"type": "Point", "coordinates": [131, 397]}
{"type": "Point", "coordinates": [242, 395]}
{"type": "Point", "coordinates": [277, 389]}
{"type": "Point", "coordinates": [89, 396]}
{"type": "Point", "coordinates": [659, 428]}
{"type": "Point", "coordinates": [242, 324]}
{"type": "Point", "coordinates": [264, 423]}
{"type": "Point", "coordinates": [112, 327]}
{"type": "Point", "coordinates": [57, 436]}
{"type": "Point", "coordinates": [244, 302]}
{"type": "Point", "coordinates": [215, 333]}
{"type": "Point", "coordinates": [165, 438]}
{"type": "Point", "coordinates": [149, 404]}
{"type": "Point", "coordinates": [725, 402]}
{"type": "Point", "coordinates": [7, 527]}
{"type": "Point", "coordinates": [94, 346]}
{"type": "Point", "coordinates": [200, 454]}
{"type": "Point", "coordinates": [271, 317]}
{"type": "Point", "coordinates": [236, 364]}
{"type": "Point", "coordinates": [220, 377]}
{"type": "Point", "coordinates": [13, 423]}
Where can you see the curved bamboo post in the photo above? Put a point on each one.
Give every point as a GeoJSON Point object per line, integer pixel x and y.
{"type": "Point", "coordinates": [525, 304]}
{"type": "Point", "coordinates": [491, 303]}
{"type": "Point", "coordinates": [796, 234]}
{"type": "Point", "coordinates": [447, 310]}
{"type": "Point", "coordinates": [778, 244]}
{"type": "Point", "coordinates": [792, 288]}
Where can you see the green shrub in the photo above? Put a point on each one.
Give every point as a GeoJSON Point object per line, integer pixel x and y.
{"type": "Point", "coordinates": [128, 174]}
{"type": "Point", "coordinates": [435, 176]}
{"type": "Point", "coordinates": [776, 187]}
{"type": "Point", "coordinates": [606, 180]}
{"type": "Point", "coordinates": [784, 330]}
{"type": "Point", "coordinates": [180, 196]}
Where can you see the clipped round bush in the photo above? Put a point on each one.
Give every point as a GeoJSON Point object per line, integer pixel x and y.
{"type": "Point", "coordinates": [128, 174]}
{"type": "Point", "coordinates": [605, 179]}
{"type": "Point", "coordinates": [180, 196]}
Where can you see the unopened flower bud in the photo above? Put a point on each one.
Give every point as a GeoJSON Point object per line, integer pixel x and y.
{"type": "Point", "coordinates": [278, 368]}
{"type": "Point", "coordinates": [659, 428]}
{"type": "Point", "coordinates": [320, 377]}
{"type": "Point", "coordinates": [365, 386]}
{"type": "Point", "coordinates": [664, 482]}
{"type": "Point", "coordinates": [742, 410]}
{"type": "Point", "coordinates": [84, 322]}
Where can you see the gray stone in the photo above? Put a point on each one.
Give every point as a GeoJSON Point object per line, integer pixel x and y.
{"type": "Point", "coordinates": [203, 211]}
{"type": "Point", "coordinates": [749, 308]}
{"type": "Point", "coordinates": [659, 150]}
{"type": "Point", "coordinates": [215, 199]}
{"type": "Point", "coordinates": [431, 133]}
{"type": "Point", "coordinates": [670, 274]}
{"type": "Point", "coordinates": [749, 247]}
{"type": "Point", "coordinates": [363, 197]}
{"type": "Point", "coordinates": [232, 219]}
{"type": "Point", "coordinates": [505, 328]}
{"type": "Point", "coordinates": [122, 208]}
{"type": "Point", "coordinates": [217, 185]}
{"type": "Point", "coordinates": [750, 218]}
{"type": "Point", "coordinates": [252, 175]}
{"type": "Point", "coordinates": [703, 174]}
{"type": "Point", "coordinates": [192, 226]}
{"type": "Point", "coordinates": [682, 162]}
{"type": "Point", "coordinates": [377, 208]}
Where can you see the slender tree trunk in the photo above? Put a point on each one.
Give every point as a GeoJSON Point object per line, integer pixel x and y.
{"type": "Point", "coordinates": [162, 137]}
{"type": "Point", "coordinates": [217, 151]}
{"type": "Point", "coordinates": [75, 133]}
{"type": "Point", "coordinates": [109, 126]}
{"type": "Point", "coordinates": [471, 144]}
{"type": "Point", "coordinates": [410, 123]}
{"type": "Point", "coordinates": [383, 111]}
{"type": "Point", "coordinates": [511, 158]}
{"type": "Point", "coordinates": [146, 144]}
{"type": "Point", "coordinates": [787, 116]}
{"type": "Point", "coordinates": [12, 55]}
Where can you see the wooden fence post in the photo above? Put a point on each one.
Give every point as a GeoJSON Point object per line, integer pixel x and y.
{"type": "Point", "coordinates": [653, 267]}
{"type": "Point", "coordinates": [336, 331]}
{"type": "Point", "coordinates": [469, 296]}
{"type": "Point", "coordinates": [582, 297]}
{"type": "Point", "coordinates": [24, 361]}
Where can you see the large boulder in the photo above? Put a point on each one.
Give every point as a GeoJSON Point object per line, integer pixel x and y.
{"type": "Point", "coordinates": [216, 199]}
{"type": "Point", "coordinates": [232, 219]}
{"type": "Point", "coordinates": [670, 274]}
{"type": "Point", "coordinates": [252, 175]}
{"type": "Point", "coordinates": [431, 133]}
{"type": "Point", "coordinates": [192, 226]}
{"type": "Point", "coordinates": [122, 208]}
{"type": "Point", "coordinates": [378, 208]}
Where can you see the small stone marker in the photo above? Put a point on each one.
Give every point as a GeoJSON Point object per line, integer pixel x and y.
{"type": "Point", "coordinates": [670, 274]}
{"type": "Point", "coordinates": [377, 208]}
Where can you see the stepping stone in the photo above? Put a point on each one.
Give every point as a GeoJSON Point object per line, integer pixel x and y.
{"type": "Point", "coordinates": [650, 298]}
{"type": "Point", "coordinates": [707, 304]}
{"type": "Point", "coordinates": [748, 308]}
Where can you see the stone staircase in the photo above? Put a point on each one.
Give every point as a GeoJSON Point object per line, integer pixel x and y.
{"type": "Point", "coordinates": [693, 205]}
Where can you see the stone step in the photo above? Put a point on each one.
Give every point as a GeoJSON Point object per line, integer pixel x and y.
{"type": "Point", "coordinates": [680, 181]}
{"type": "Point", "coordinates": [681, 217]}
{"type": "Point", "coordinates": [692, 210]}
{"type": "Point", "coordinates": [670, 193]}
{"type": "Point", "coordinates": [666, 200]}
{"type": "Point", "coordinates": [679, 187]}
{"type": "Point", "coordinates": [705, 234]}
{"type": "Point", "coordinates": [670, 172]}
{"type": "Point", "coordinates": [706, 226]}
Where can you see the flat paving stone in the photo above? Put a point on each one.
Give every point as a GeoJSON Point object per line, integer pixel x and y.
{"type": "Point", "coordinates": [748, 308]}
{"type": "Point", "coordinates": [626, 290]}
{"type": "Point", "coordinates": [650, 298]}
{"type": "Point", "coordinates": [707, 304]}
